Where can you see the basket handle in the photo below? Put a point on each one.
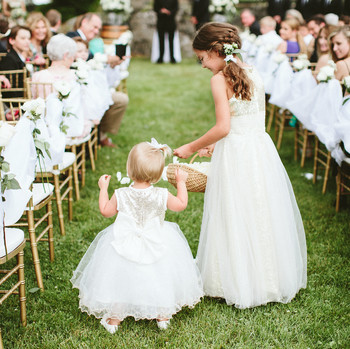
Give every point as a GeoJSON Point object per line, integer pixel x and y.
{"type": "Point", "coordinates": [194, 156]}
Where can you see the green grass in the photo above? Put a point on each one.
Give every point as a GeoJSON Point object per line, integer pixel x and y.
{"type": "Point", "coordinates": [173, 104]}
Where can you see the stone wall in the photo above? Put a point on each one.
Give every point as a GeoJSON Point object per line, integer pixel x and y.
{"type": "Point", "coordinates": [143, 24]}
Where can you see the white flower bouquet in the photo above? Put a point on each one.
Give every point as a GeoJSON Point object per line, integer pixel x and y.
{"type": "Point", "coordinates": [346, 83]}
{"type": "Point", "coordinates": [35, 108]}
{"type": "Point", "coordinates": [223, 6]}
{"type": "Point", "coordinates": [124, 39]}
{"type": "Point", "coordinates": [63, 89]}
{"type": "Point", "coordinates": [117, 6]}
{"type": "Point", "coordinates": [301, 63]}
{"type": "Point", "coordinates": [279, 57]}
{"type": "Point", "coordinates": [327, 72]}
{"type": "Point", "coordinates": [98, 62]}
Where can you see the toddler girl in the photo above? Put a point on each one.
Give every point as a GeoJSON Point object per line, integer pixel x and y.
{"type": "Point", "coordinates": [140, 266]}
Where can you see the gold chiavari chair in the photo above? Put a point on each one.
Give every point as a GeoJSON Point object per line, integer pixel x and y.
{"type": "Point", "coordinates": [343, 181]}
{"type": "Point", "coordinates": [2, 55]}
{"type": "Point", "coordinates": [322, 158]}
{"type": "Point", "coordinates": [61, 176]}
{"type": "Point", "coordinates": [271, 110]}
{"type": "Point", "coordinates": [75, 145]}
{"type": "Point", "coordinates": [15, 244]}
{"type": "Point", "coordinates": [283, 117]}
{"type": "Point", "coordinates": [303, 138]}
{"type": "Point", "coordinates": [18, 80]}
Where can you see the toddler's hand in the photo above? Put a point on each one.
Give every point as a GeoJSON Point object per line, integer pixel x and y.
{"type": "Point", "coordinates": [180, 175]}
{"type": "Point", "coordinates": [103, 182]}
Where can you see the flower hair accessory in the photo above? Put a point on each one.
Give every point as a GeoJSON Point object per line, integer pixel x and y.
{"type": "Point", "coordinates": [162, 147]}
{"type": "Point", "coordinates": [230, 50]}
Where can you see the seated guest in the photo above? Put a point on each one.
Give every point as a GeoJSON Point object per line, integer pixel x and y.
{"type": "Point", "coordinates": [314, 24]}
{"type": "Point", "coordinates": [249, 21]}
{"type": "Point", "coordinates": [293, 42]}
{"type": "Point", "coordinates": [41, 34]}
{"type": "Point", "coordinates": [268, 32]}
{"type": "Point", "coordinates": [340, 48]}
{"type": "Point", "coordinates": [323, 49]}
{"type": "Point", "coordinates": [304, 32]}
{"type": "Point", "coordinates": [344, 20]}
{"type": "Point", "coordinates": [18, 41]}
{"type": "Point", "coordinates": [4, 31]}
{"type": "Point", "coordinates": [55, 20]}
{"type": "Point", "coordinates": [89, 27]}
{"type": "Point", "coordinates": [292, 13]}
{"type": "Point", "coordinates": [82, 48]}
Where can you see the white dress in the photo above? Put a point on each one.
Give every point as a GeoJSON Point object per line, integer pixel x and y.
{"type": "Point", "coordinates": [252, 246]}
{"type": "Point", "coordinates": [140, 266]}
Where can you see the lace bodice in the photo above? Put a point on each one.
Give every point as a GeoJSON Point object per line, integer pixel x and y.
{"type": "Point", "coordinates": [142, 204]}
{"type": "Point", "coordinates": [247, 116]}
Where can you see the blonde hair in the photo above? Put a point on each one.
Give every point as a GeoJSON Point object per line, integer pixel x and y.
{"type": "Point", "coordinates": [212, 37]}
{"type": "Point", "coordinates": [268, 21]}
{"type": "Point", "coordinates": [294, 24]}
{"type": "Point", "coordinates": [146, 162]}
{"type": "Point", "coordinates": [345, 30]}
{"type": "Point", "coordinates": [33, 19]}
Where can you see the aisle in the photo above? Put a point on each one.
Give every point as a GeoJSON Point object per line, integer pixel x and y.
{"type": "Point", "coordinates": [173, 103]}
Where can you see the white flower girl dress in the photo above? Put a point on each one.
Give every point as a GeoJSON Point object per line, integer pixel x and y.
{"type": "Point", "coordinates": [252, 246]}
{"type": "Point", "coordinates": [140, 266]}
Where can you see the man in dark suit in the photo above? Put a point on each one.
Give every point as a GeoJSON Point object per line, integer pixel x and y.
{"type": "Point", "coordinates": [249, 21]}
{"type": "Point", "coordinates": [18, 41]}
{"type": "Point", "coordinates": [200, 13]}
{"type": "Point", "coordinates": [89, 28]}
{"type": "Point", "coordinates": [55, 20]}
{"type": "Point", "coordinates": [166, 12]}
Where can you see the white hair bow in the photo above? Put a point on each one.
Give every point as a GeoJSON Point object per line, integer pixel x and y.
{"type": "Point", "coordinates": [162, 147]}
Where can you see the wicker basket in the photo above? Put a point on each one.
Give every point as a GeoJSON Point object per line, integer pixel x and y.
{"type": "Point", "coordinates": [196, 181]}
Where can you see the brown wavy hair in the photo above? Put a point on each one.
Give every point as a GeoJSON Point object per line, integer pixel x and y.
{"type": "Point", "coordinates": [212, 37]}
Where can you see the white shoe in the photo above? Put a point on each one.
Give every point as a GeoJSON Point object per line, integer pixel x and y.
{"type": "Point", "coordinates": [110, 328]}
{"type": "Point", "coordinates": [163, 325]}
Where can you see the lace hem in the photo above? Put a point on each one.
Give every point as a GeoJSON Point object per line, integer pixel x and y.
{"type": "Point", "coordinates": [121, 311]}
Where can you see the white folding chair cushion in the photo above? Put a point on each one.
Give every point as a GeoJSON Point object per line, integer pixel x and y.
{"type": "Point", "coordinates": [68, 160]}
{"type": "Point", "coordinates": [77, 140]}
{"type": "Point", "coordinates": [41, 191]}
{"type": "Point", "coordinates": [14, 237]}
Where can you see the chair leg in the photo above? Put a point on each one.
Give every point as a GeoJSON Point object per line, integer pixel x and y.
{"type": "Point", "coordinates": [337, 202]}
{"type": "Point", "coordinates": [315, 161]}
{"type": "Point", "coordinates": [326, 172]}
{"type": "Point", "coordinates": [22, 292]}
{"type": "Point", "coordinates": [75, 175]}
{"type": "Point", "coordinates": [59, 203]}
{"type": "Point", "coordinates": [296, 143]}
{"type": "Point", "coordinates": [34, 247]}
{"type": "Point", "coordinates": [91, 153]}
{"type": "Point", "coordinates": [1, 345]}
{"type": "Point", "coordinates": [70, 194]}
{"type": "Point", "coordinates": [50, 232]}
{"type": "Point", "coordinates": [83, 165]}
{"type": "Point", "coordinates": [280, 131]}
{"type": "Point", "coordinates": [270, 119]}
{"type": "Point", "coordinates": [305, 142]}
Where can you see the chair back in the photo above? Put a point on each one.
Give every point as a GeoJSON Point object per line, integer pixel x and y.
{"type": "Point", "coordinates": [10, 109]}
{"type": "Point", "coordinates": [39, 89]}
{"type": "Point", "coordinates": [17, 80]}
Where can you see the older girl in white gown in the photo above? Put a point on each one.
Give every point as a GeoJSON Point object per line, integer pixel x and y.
{"type": "Point", "coordinates": [252, 246]}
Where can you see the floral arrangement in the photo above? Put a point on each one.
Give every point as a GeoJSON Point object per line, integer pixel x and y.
{"type": "Point", "coordinates": [223, 6]}
{"type": "Point", "coordinates": [279, 57]}
{"type": "Point", "coordinates": [327, 72]}
{"type": "Point", "coordinates": [35, 109]}
{"type": "Point", "coordinates": [301, 63]}
{"type": "Point", "coordinates": [117, 6]}
{"type": "Point", "coordinates": [63, 89]}
{"type": "Point", "coordinates": [81, 71]}
{"type": "Point", "coordinates": [230, 50]}
{"type": "Point", "coordinates": [124, 39]}
{"type": "Point", "coordinates": [98, 62]}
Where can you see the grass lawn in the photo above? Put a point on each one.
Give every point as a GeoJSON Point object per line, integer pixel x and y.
{"type": "Point", "coordinates": [173, 103]}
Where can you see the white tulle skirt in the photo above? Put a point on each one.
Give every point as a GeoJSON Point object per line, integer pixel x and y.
{"type": "Point", "coordinates": [252, 246]}
{"type": "Point", "coordinates": [113, 286]}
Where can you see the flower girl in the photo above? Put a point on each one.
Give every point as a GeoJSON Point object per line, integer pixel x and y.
{"type": "Point", "coordinates": [252, 246]}
{"type": "Point", "coordinates": [141, 265]}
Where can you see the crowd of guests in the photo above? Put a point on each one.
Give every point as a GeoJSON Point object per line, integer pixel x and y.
{"type": "Point", "coordinates": [49, 58]}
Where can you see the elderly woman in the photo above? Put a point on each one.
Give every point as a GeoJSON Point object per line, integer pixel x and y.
{"type": "Point", "coordinates": [61, 50]}
{"type": "Point", "coordinates": [340, 48]}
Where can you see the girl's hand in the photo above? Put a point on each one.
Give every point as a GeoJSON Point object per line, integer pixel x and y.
{"type": "Point", "coordinates": [180, 175]}
{"type": "Point", "coordinates": [206, 151]}
{"type": "Point", "coordinates": [103, 182]}
{"type": "Point", "coordinates": [183, 152]}
{"type": "Point", "coordinates": [5, 82]}
{"type": "Point", "coordinates": [39, 60]}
